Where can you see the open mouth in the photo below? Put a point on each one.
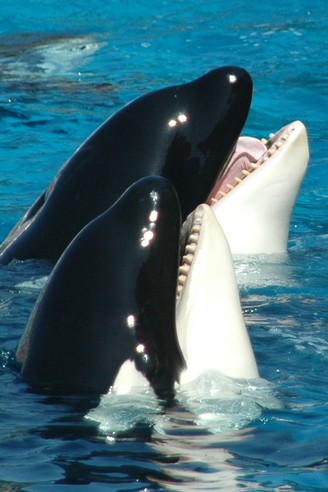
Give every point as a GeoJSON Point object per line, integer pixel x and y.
{"type": "Point", "coordinates": [250, 154]}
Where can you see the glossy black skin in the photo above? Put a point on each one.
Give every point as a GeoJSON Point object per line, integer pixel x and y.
{"type": "Point", "coordinates": [78, 337]}
{"type": "Point", "coordinates": [136, 142]}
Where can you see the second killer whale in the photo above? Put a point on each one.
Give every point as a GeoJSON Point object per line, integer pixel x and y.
{"type": "Point", "coordinates": [107, 311]}
{"type": "Point", "coordinates": [185, 133]}
{"type": "Point", "coordinates": [108, 316]}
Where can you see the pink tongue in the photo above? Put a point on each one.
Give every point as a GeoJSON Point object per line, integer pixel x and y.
{"type": "Point", "coordinates": [248, 149]}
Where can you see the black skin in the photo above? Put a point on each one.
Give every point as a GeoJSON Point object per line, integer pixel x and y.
{"type": "Point", "coordinates": [78, 336]}
{"type": "Point", "coordinates": [135, 142]}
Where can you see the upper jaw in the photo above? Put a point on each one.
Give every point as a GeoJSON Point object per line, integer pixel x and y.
{"type": "Point", "coordinates": [251, 153]}
{"type": "Point", "coordinates": [255, 212]}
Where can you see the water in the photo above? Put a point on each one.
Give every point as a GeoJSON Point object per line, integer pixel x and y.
{"type": "Point", "coordinates": [64, 69]}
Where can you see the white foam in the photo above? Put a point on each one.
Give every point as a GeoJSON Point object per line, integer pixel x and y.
{"type": "Point", "coordinates": [35, 284]}
{"type": "Point", "coordinates": [213, 403]}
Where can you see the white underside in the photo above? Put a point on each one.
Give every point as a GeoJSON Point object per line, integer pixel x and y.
{"type": "Point", "coordinates": [129, 377]}
{"type": "Point", "coordinates": [255, 216]}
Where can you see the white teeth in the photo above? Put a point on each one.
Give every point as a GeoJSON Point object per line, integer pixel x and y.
{"type": "Point", "coordinates": [214, 200]}
{"type": "Point", "coordinates": [193, 238]}
{"type": "Point", "coordinates": [271, 151]}
{"type": "Point", "coordinates": [196, 229]}
{"type": "Point", "coordinates": [279, 144]}
{"type": "Point", "coordinates": [179, 289]}
{"type": "Point", "coordinates": [188, 258]}
{"type": "Point", "coordinates": [222, 193]}
{"type": "Point", "coordinates": [191, 248]}
{"type": "Point", "coordinates": [238, 180]}
{"type": "Point", "coordinates": [189, 251]}
{"type": "Point", "coordinates": [183, 270]}
{"type": "Point", "coordinates": [264, 140]}
{"type": "Point", "coordinates": [254, 165]}
{"type": "Point", "coordinates": [271, 135]}
{"type": "Point", "coordinates": [245, 173]}
{"type": "Point", "coordinates": [229, 186]}
{"type": "Point", "coordinates": [284, 137]}
{"type": "Point", "coordinates": [182, 280]}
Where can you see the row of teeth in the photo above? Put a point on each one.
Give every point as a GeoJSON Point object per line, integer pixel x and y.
{"type": "Point", "coordinates": [189, 252]}
{"type": "Point", "coordinates": [255, 165]}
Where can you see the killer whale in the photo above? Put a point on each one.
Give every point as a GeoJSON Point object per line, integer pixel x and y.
{"type": "Point", "coordinates": [185, 133]}
{"type": "Point", "coordinates": [254, 198]}
{"type": "Point", "coordinates": [108, 308]}
{"type": "Point", "coordinates": [108, 316]}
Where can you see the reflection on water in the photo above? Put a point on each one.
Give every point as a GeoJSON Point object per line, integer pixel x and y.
{"type": "Point", "coordinates": [200, 462]}
{"type": "Point", "coordinates": [44, 73]}
{"type": "Point", "coordinates": [44, 55]}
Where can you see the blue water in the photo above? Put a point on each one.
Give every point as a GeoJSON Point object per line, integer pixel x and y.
{"type": "Point", "coordinates": [65, 67]}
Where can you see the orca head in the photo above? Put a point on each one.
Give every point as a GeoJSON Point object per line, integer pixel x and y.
{"type": "Point", "coordinates": [108, 307]}
{"type": "Point", "coordinates": [185, 133]}
{"type": "Point", "coordinates": [202, 123]}
{"type": "Point", "coordinates": [254, 197]}
{"type": "Point", "coordinates": [210, 324]}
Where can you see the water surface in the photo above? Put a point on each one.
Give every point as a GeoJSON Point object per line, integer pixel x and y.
{"type": "Point", "coordinates": [64, 69]}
